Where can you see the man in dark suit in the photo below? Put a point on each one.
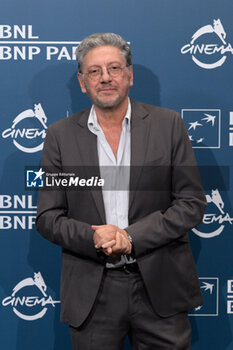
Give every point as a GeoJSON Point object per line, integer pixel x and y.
{"type": "Point", "coordinates": [127, 266]}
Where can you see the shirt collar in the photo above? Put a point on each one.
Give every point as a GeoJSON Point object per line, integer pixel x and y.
{"type": "Point", "coordinates": [92, 121]}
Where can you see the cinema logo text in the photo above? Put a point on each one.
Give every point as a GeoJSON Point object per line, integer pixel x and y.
{"type": "Point", "coordinates": [215, 221]}
{"type": "Point", "coordinates": [28, 130]}
{"type": "Point", "coordinates": [19, 42]}
{"type": "Point", "coordinates": [30, 307]}
{"type": "Point", "coordinates": [17, 212]}
{"type": "Point", "coordinates": [204, 50]}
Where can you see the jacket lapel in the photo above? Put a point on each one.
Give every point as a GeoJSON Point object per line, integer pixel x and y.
{"type": "Point", "coordinates": [87, 144]}
{"type": "Point", "coordinates": [139, 142]}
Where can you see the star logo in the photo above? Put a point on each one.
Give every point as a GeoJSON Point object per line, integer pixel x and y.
{"type": "Point", "coordinates": [38, 174]}
{"type": "Point", "coordinates": [35, 178]}
{"type": "Point", "coordinates": [208, 286]}
{"type": "Point", "coordinates": [193, 125]}
{"type": "Point", "coordinates": [203, 126]}
{"type": "Point", "coordinates": [210, 293]}
{"type": "Point", "coordinates": [209, 118]}
{"type": "Point", "coordinates": [200, 140]}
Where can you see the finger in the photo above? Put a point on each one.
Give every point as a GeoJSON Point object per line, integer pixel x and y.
{"type": "Point", "coordinates": [120, 236]}
{"type": "Point", "coordinates": [99, 229]}
{"type": "Point", "coordinates": [109, 244]}
{"type": "Point", "coordinates": [117, 246]}
{"type": "Point", "coordinates": [100, 241]}
{"type": "Point", "coordinates": [122, 246]}
{"type": "Point", "coordinates": [107, 251]}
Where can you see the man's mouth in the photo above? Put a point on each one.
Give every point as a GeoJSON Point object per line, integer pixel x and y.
{"type": "Point", "coordinates": [106, 89]}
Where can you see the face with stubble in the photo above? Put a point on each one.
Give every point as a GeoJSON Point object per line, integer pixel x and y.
{"type": "Point", "coordinates": [106, 90]}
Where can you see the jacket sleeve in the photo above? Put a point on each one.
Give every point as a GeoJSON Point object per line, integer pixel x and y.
{"type": "Point", "coordinates": [52, 221]}
{"type": "Point", "coordinates": [187, 200]}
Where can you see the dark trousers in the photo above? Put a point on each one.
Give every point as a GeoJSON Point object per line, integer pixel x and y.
{"type": "Point", "coordinates": [122, 308]}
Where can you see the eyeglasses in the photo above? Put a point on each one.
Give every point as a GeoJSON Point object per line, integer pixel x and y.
{"type": "Point", "coordinates": [114, 71]}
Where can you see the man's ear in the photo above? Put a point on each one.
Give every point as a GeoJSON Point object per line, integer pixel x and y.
{"type": "Point", "coordinates": [81, 83]}
{"type": "Point", "coordinates": [131, 75]}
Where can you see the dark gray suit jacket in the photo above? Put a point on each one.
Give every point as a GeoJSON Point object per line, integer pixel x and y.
{"type": "Point", "coordinates": [166, 200]}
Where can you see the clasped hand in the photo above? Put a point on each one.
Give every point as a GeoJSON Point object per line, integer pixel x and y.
{"type": "Point", "coordinates": [112, 240]}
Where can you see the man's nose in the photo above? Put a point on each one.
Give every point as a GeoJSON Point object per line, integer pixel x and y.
{"type": "Point", "coordinates": [105, 76]}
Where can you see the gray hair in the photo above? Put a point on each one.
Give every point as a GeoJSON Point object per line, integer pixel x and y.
{"type": "Point", "coordinates": [101, 39]}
